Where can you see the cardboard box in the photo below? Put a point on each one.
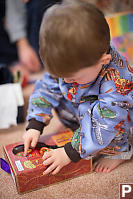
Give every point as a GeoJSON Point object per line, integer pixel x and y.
{"type": "Point", "coordinates": [27, 172]}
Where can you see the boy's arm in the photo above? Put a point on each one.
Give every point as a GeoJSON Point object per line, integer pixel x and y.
{"type": "Point", "coordinates": [71, 152]}
{"type": "Point", "coordinates": [96, 132]}
{"type": "Point", "coordinates": [37, 125]}
{"type": "Point", "coordinates": [45, 97]}
{"type": "Point", "coordinates": [104, 123]}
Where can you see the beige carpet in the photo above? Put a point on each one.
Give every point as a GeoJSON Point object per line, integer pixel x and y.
{"type": "Point", "coordinates": [90, 186]}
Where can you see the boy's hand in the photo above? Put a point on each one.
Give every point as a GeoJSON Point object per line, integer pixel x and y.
{"type": "Point", "coordinates": [55, 159]}
{"type": "Point", "coordinates": [31, 138]}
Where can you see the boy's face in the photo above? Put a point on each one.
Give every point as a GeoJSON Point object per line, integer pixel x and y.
{"type": "Point", "coordinates": [87, 75]}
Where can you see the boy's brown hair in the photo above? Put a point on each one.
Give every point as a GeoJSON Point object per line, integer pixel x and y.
{"type": "Point", "coordinates": [73, 35]}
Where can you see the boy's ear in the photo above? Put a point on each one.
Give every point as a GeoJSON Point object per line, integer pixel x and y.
{"type": "Point", "coordinates": [105, 59]}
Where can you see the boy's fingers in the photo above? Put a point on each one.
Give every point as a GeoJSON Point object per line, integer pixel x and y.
{"type": "Point", "coordinates": [33, 143]}
{"type": "Point", "coordinates": [49, 169]}
{"type": "Point", "coordinates": [46, 155]}
{"type": "Point", "coordinates": [26, 146]}
{"type": "Point", "coordinates": [48, 161]}
{"type": "Point", "coordinates": [56, 170]}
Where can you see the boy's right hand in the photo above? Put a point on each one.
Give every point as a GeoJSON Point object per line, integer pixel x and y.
{"type": "Point", "coordinates": [31, 138]}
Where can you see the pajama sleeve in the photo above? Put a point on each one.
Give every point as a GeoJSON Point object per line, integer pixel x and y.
{"type": "Point", "coordinates": [47, 95]}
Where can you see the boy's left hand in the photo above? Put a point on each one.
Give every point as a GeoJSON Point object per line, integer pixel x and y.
{"type": "Point", "coordinates": [55, 160]}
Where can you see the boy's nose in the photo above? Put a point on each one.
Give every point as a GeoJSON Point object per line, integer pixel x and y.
{"type": "Point", "coordinates": [67, 80]}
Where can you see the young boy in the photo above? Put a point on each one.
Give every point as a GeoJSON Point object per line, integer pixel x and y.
{"type": "Point", "coordinates": [89, 85]}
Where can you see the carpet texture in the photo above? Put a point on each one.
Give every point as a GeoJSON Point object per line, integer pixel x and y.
{"type": "Point", "coordinates": [90, 186]}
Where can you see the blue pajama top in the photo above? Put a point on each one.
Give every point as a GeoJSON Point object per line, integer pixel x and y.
{"type": "Point", "coordinates": [100, 113]}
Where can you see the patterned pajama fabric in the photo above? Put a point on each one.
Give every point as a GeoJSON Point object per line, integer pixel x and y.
{"type": "Point", "coordinates": [100, 112]}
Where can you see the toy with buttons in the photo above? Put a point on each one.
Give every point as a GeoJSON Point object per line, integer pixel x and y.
{"type": "Point", "coordinates": [34, 152]}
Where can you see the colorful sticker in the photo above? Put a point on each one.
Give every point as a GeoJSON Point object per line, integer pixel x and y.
{"type": "Point", "coordinates": [28, 164]}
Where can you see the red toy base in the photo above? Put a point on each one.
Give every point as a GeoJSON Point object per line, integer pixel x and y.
{"type": "Point", "coordinates": [27, 172]}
